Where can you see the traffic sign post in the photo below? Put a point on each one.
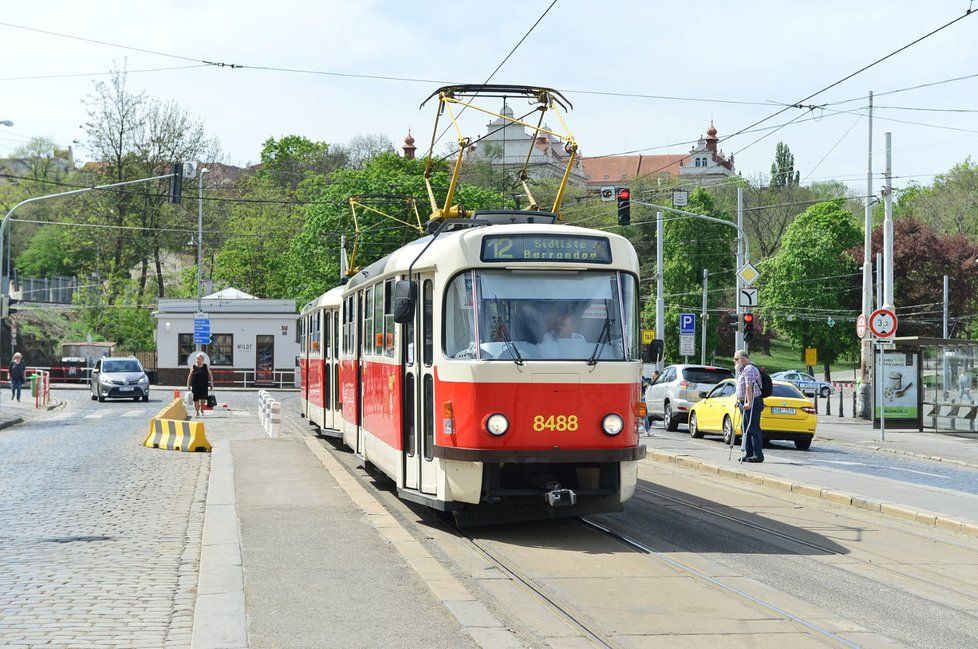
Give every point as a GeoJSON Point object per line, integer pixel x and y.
{"type": "Point", "coordinates": [687, 323]}
{"type": "Point", "coordinates": [687, 345]}
{"type": "Point", "coordinates": [861, 326]}
{"type": "Point", "coordinates": [747, 297]}
{"type": "Point", "coordinates": [883, 323]}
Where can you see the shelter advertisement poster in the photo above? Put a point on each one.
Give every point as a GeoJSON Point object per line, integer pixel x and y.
{"type": "Point", "coordinates": [898, 376]}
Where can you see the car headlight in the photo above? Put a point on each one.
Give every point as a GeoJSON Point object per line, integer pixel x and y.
{"type": "Point", "coordinates": [104, 379]}
{"type": "Point", "coordinates": [143, 379]}
{"type": "Point", "coordinates": [497, 424]}
{"type": "Point", "coordinates": [612, 424]}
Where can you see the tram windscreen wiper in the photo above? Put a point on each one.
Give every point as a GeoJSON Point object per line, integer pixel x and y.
{"type": "Point", "coordinates": [504, 332]}
{"type": "Point", "coordinates": [605, 333]}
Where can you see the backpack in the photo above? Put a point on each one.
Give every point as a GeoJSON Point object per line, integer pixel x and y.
{"type": "Point", "coordinates": [767, 387]}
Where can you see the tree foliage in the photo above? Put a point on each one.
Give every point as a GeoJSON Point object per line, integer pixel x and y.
{"type": "Point", "coordinates": [691, 245]}
{"type": "Point", "coordinates": [783, 172]}
{"type": "Point", "coordinates": [813, 279]}
{"type": "Point", "coordinates": [950, 205]}
{"type": "Point", "coordinates": [921, 258]}
{"type": "Point", "coordinates": [311, 264]}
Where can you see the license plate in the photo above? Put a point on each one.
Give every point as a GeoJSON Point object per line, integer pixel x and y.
{"type": "Point", "coordinates": [125, 389]}
{"type": "Point", "coordinates": [783, 411]}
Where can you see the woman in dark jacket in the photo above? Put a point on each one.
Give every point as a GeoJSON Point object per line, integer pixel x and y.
{"type": "Point", "coordinates": [16, 371]}
{"type": "Point", "coordinates": [199, 381]}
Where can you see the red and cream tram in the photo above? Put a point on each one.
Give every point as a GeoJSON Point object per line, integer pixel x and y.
{"type": "Point", "coordinates": [491, 369]}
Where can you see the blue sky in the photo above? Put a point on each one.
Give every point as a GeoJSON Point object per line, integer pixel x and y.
{"type": "Point", "coordinates": [760, 51]}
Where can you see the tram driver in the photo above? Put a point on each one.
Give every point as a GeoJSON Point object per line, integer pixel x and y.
{"type": "Point", "coordinates": [565, 329]}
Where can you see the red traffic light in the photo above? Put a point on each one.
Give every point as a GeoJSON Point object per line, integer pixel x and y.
{"type": "Point", "coordinates": [624, 194]}
{"type": "Point", "coordinates": [748, 317]}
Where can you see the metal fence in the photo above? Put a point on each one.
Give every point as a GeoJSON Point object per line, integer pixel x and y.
{"type": "Point", "coordinates": [53, 290]}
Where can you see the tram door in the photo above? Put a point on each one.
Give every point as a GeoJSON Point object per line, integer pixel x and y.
{"type": "Point", "coordinates": [419, 397]}
{"type": "Point", "coordinates": [361, 343]}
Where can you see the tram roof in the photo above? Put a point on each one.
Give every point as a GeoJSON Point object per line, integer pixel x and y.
{"type": "Point", "coordinates": [332, 297]}
{"type": "Point", "coordinates": [461, 248]}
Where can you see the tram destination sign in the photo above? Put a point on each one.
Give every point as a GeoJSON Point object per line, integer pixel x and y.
{"type": "Point", "coordinates": [545, 247]}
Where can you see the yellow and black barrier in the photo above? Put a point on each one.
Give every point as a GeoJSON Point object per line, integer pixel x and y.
{"type": "Point", "coordinates": [169, 430]}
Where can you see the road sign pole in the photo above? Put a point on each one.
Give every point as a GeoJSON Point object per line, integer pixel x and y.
{"type": "Point", "coordinates": [660, 305]}
{"type": "Point", "coordinates": [703, 319]}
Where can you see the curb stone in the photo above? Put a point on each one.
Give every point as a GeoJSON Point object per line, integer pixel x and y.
{"type": "Point", "coordinates": [932, 519]}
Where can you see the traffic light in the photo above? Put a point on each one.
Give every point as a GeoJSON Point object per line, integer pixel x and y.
{"type": "Point", "coordinates": [624, 206]}
{"type": "Point", "coordinates": [733, 320]}
{"type": "Point", "coordinates": [748, 326]}
{"type": "Point", "coordinates": [176, 182]}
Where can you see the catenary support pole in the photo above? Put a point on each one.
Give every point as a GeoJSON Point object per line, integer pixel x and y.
{"type": "Point", "coordinates": [879, 280]}
{"type": "Point", "coordinates": [866, 351]}
{"type": "Point", "coordinates": [704, 316]}
{"type": "Point", "coordinates": [200, 243]}
{"type": "Point", "coordinates": [739, 335]}
{"type": "Point", "coordinates": [660, 304]}
{"type": "Point", "coordinates": [888, 229]}
{"type": "Point", "coordinates": [945, 307]}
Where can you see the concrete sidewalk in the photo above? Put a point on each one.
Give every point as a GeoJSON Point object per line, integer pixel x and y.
{"type": "Point", "coordinates": [956, 448]}
{"type": "Point", "coordinates": [789, 469]}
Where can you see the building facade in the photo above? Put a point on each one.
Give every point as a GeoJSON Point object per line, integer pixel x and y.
{"type": "Point", "coordinates": [506, 145]}
{"type": "Point", "coordinates": [253, 341]}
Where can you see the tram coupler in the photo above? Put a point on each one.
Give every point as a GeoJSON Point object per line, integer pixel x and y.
{"type": "Point", "coordinates": [558, 497]}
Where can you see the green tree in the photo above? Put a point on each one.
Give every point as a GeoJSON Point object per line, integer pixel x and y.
{"type": "Point", "coordinates": [812, 280]}
{"type": "Point", "coordinates": [950, 205]}
{"type": "Point", "coordinates": [783, 172]}
{"type": "Point", "coordinates": [691, 245]}
{"type": "Point", "coordinates": [54, 251]}
{"type": "Point", "coordinates": [311, 264]}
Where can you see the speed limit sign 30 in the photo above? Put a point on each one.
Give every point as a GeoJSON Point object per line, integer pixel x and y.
{"type": "Point", "coordinates": [883, 323]}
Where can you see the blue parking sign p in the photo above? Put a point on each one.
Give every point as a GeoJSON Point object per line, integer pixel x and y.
{"type": "Point", "coordinates": [687, 323]}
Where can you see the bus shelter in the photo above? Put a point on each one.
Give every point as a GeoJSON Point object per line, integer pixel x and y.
{"type": "Point", "coordinates": [928, 383]}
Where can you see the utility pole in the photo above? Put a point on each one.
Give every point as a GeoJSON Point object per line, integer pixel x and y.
{"type": "Point", "coordinates": [200, 244]}
{"type": "Point", "coordinates": [945, 307]}
{"type": "Point", "coordinates": [866, 348]}
{"type": "Point", "coordinates": [660, 303]}
{"type": "Point", "coordinates": [739, 335]}
{"type": "Point", "coordinates": [888, 230]}
{"type": "Point", "coordinates": [703, 318]}
{"type": "Point", "coordinates": [879, 280]}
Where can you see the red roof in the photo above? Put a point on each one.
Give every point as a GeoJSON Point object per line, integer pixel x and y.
{"type": "Point", "coordinates": [612, 169]}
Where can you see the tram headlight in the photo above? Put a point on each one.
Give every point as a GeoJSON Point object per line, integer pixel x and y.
{"type": "Point", "coordinates": [497, 424]}
{"type": "Point", "coordinates": [612, 424]}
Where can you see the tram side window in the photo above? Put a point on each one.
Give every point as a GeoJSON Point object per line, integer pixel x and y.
{"type": "Point", "coordinates": [315, 332]}
{"type": "Point", "coordinates": [378, 337]}
{"type": "Point", "coordinates": [629, 305]}
{"type": "Point", "coordinates": [366, 345]}
{"type": "Point", "coordinates": [429, 417]}
{"type": "Point", "coordinates": [327, 351]}
{"type": "Point", "coordinates": [428, 315]}
{"type": "Point", "coordinates": [336, 332]}
{"type": "Point", "coordinates": [389, 318]}
{"type": "Point", "coordinates": [458, 327]}
{"type": "Point", "coordinates": [347, 326]}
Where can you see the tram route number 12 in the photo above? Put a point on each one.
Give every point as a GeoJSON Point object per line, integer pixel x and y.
{"type": "Point", "coordinates": [555, 422]}
{"type": "Point", "coordinates": [500, 248]}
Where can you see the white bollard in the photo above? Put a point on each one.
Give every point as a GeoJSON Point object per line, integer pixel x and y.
{"type": "Point", "coordinates": [263, 411]}
{"type": "Point", "coordinates": [275, 420]}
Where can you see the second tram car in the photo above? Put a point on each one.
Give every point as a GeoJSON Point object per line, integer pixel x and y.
{"type": "Point", "coordinates": [491, 369]}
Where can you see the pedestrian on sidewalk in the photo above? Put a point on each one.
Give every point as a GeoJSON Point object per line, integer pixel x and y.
{"type": "Point", "coordinates": [199, 381]}
{"type": "Point", "coordinates": [16, 371]}
{"type": "Point", "coordinates": [964, 385]}
{"type": "Point", "coordinates": [751, 403]}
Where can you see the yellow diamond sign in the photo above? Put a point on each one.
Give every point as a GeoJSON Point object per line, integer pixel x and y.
{"type": "Point", "coordinates": [748, 274]}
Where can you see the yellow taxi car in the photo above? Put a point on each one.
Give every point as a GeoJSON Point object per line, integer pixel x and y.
{"type": "Point", "coordinates": [787, 414]}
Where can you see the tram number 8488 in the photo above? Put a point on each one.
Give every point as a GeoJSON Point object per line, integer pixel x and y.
{"type": "Point", "coordinates": [555, 422]}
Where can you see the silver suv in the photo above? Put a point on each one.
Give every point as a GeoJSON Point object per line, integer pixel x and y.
{"type": "Point", "coordinates": [119, 378]}
{"type": "Point", "coordinates": [677, 388]}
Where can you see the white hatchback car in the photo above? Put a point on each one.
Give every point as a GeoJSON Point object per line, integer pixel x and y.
{"type": "Point", "coordinates": [674, 392]}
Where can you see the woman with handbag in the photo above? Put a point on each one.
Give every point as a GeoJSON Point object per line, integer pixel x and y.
{"type": "Point", "coordinates": [199, 381]}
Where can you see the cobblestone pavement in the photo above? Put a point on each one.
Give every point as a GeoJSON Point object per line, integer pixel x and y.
{"type": "Point", "coordinates": [99, 536]}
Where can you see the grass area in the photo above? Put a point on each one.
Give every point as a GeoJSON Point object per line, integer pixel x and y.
{"type": "Point", "coordinates": [786, 357]}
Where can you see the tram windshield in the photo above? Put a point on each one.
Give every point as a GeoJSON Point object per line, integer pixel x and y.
{"type": "Point", "coordinates": [541, 315]}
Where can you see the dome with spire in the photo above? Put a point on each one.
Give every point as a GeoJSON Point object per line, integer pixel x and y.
{"type": "Point", "coordinates": [409, 147]}
{"type": "Point", "coordinates": [712, 131]}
